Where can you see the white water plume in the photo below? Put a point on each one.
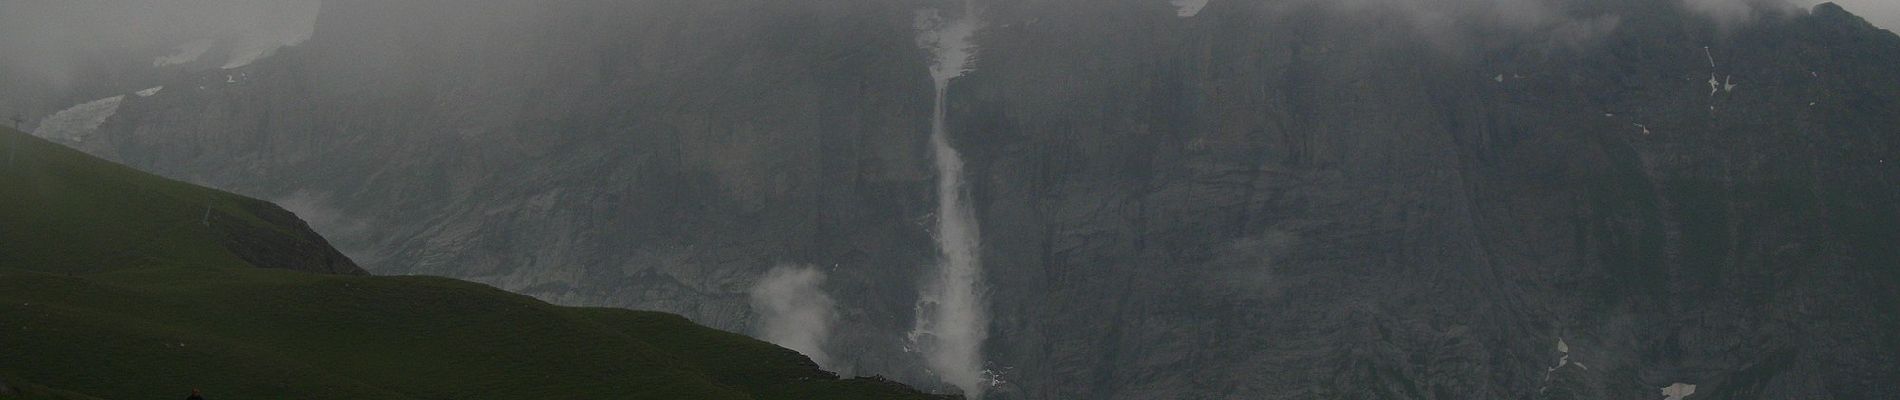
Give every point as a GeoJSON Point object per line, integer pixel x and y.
{"type": "Point", "coordinates": [794, 311]}
{"type": "Point", "coordinates": [952, 312]}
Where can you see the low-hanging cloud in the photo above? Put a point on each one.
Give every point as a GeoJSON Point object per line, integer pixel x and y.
{"type": "Point", "coordinates": [1561, 22]}
{"type": "Point", "coordinates": [47, 40]}
{"type": "Point", "coordinates": [794, 311]}
{"type": "Point", "coordinates": [1451, 24]}
{"type": "Point", "coordinates": [1884, 14]}
{"type": "Point", "coordinates": [1733, 12]}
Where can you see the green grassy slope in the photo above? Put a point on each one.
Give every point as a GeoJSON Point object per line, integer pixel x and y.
{"type": "Point", "coordinates": [65, 212]}
{"type": "Point", "coordinates": [111, 287]}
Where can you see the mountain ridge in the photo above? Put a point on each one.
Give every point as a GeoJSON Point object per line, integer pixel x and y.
{"type": "Point", "coordinates": [244, 301]}
{"type": "Point", "coordinates": [1260, 200]}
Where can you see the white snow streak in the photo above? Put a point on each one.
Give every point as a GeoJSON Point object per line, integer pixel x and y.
{"type": "Point", "coordinates": [250, 51]}
{"type": "Point", "coordinates": [75, 123]}
{"type": "Point", "coordinates": [188, 52]}
{"type": "Point", "coordinates": [1678, 391]}
{"type": "Point", "coordinates": [1188, 8]}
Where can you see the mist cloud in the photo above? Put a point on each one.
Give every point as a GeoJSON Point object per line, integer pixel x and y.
{"type": "Point", "coordinates": [1455, 24]}
{"type": "Point", "coordinates": [1448, 23]}
{"type": "Point", "coordinates": [1884, 14]}
{"type": "Point", "coordinates": [1732, 12]}
{"type": "Point", "coordinates": [794, 311]}
{"type": "Point", "coordinates": [46, 40]}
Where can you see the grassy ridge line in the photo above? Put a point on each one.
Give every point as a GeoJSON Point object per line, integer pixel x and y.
{"type": "Point", "coordinates": [742, 362]}
{"type": "Point", "coordinates": [68, 212]}
{"type": "Point", "coordinates": [262, 333]}
{"type": "Point", "coordinates": [112, 288]}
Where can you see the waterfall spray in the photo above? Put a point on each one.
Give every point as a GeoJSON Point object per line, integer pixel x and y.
{"type": "Point", "coordinates": [952, 312]}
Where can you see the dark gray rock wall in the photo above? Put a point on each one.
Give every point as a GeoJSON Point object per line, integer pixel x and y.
{"type": "Point", "coordinates": [657, 155]}
{"type": "Point", "coordinates": [1267, 200]}
{"type": "Point", "coordinates": [1303, 202]}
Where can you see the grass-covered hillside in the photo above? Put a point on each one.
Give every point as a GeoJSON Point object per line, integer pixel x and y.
{"type": "Point", "coordinates": [115, 284]}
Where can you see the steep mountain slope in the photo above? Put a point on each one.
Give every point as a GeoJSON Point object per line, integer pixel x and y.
{"type": "Point", "coordinates": [59, 54]}
{"type": "Point", "coordinates": [111, 287]}
{"type": "Point", "coordinates": [656, 155]}
{"type": "Point", "coordinates": [1265, 199]}
{"type": "Point", "coordinates": [1321, 202]}
{"type": "Point", "coordinates": [65, 206]}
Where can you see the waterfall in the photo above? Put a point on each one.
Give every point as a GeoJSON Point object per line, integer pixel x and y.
{"type": "Point", "coordinates": [952, 312]}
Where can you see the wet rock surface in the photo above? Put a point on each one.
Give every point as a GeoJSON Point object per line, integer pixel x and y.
{"type": "Point", "coordinates": [1262, 200]}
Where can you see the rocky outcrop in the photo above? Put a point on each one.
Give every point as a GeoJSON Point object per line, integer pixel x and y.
{"type": "Point", "coordinates": [1261, 200]}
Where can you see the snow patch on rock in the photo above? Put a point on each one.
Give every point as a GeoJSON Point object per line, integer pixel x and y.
{"type": "Point", "coordinates": [75, 123]}
{"type": "Point", "coordinates": [1678, 391]}
{"type": "Point", "coordinates": [260, 38]}
{"type": "Point", "coordinates": [249, 52]}
{"type": "Point", "coordinates": [1562, 360]}
{"type": "Point", "coordinates": [1188, 8]}
{"type": "Point", "coordinates": [186, 53]}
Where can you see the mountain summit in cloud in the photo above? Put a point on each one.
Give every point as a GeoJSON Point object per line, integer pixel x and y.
{"type": "Point", "coordinates": [1267, 199]}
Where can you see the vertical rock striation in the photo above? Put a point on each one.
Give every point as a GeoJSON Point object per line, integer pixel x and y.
{"type": "Point", "coordinates": [1271, 199]}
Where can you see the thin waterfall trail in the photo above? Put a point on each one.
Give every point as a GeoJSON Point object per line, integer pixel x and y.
{"type": "Point", "coordinates": [952, 311]}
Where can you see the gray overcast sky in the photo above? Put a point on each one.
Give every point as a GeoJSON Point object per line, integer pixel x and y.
{"type": "Point", "coordinates": [1883, 13]}
{"type": "Point", "coordinates": [44, 39]}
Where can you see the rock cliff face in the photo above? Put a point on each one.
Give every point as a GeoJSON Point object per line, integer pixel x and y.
{"type": "Point", "coordinates": [656, 155]}
{"type": "Point", "coordinates": [1271, 201]}
{"type": "Point", "coordinates": [1255, 200]}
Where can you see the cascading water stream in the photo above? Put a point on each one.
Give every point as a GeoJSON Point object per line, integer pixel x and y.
{"type": "Point", "coordinates": [952, 311]}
